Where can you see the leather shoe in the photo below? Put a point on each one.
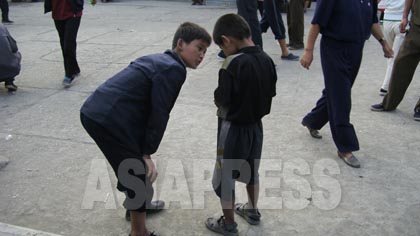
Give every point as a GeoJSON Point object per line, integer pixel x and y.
{"type": "Point", "coordinates": [313, 132]}
{"type": "Point", "coordinates": [151, 208]}
{"type": "Point", "coordinates": [351, 161]}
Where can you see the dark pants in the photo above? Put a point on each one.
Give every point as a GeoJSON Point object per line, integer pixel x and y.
{"type": "Point", "coordinates": [340, 65]}
{"type": "Point", "coordinates": [272, 18]}
{"type": "Point", "coordinates": [4, 6]}
{"type": "Point", "coordinates": [67, 31]}
{"type": "Point", "coordinates": [238, 157]}
{"type": "Point", "coordinates": [405, 65]}
{"type": "Point", "coordinates": [295, 24]}
{"type": "Point", "coordinates": [7, 80]}
{"type": "Point", "coordinates": [248, 10]}
{"type": "Point", "coordinates": [127, 164]}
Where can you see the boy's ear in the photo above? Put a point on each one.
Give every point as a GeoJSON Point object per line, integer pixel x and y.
{"type": "Point", "coordinates": [180, 44]}
{"type": "Point", "coordinates": [226, 39]}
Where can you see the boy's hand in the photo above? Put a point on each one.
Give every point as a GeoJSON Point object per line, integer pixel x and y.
{"type": "Point", "coordinates": [151, 169]}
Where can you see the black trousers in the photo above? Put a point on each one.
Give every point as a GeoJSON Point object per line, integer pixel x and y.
{"type": "Point", "coordinates": [295, 22]}
{"type": "Point", "coordinates": [67, 31]}
{"type": "Point", "coordinates": [340, 65]}
{"type": "Point", "coordinates": [248, 10]}
{"type": "Point", "coordinates": [4, 6]}
{"type": "Point", "coordinates": [272, 18]}
{"type": "Point", "coordinates": [127, 164]}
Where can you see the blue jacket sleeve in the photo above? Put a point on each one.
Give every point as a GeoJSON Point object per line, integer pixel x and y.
{"type": "Point", "coordinates": [166, 86]}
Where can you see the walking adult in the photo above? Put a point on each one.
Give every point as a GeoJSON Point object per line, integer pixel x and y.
{"type": "Point", "coordinates": [272, 18]}
{"type": "Point", "coordinates": [295, 24]}
{"type": "Point", "coordinates": [345, 25]}
{"type": "Point", "coordinates": [405, 63]}
{"type": "Point", "coordinates": [67, 16]}
{"type": "Point", "coordinates": [394, 10]}
{"type": "Point", "coordinates": [4, 6]}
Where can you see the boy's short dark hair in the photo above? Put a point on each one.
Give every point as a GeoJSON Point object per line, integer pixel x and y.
{"type": "Point", "coordinates": [232, 25]}
{"type": "Point", "coordinates": [189, 32]}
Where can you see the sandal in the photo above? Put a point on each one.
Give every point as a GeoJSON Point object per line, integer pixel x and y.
{"type": "Point", "coordinates": [219, 226]}
{"type": "Point", "coordinates": [252, 216]}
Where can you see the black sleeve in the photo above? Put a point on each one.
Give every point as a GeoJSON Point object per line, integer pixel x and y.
{"type": "Point", "coordinates": [223, 92]}
{"type": "Point", "coordinates": [165, 89]}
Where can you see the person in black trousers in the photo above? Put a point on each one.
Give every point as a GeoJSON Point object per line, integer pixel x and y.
{"type": "Point", "coordinates": [67, 16]}
{"type": "Point", "coordinates": [345, 26]}
{"type": "Point", "coordinates": [295, 23]}
{"type": "Point", "coordinates": [271, 17]}
{"type": "Point", "coordinates": [4, 6]}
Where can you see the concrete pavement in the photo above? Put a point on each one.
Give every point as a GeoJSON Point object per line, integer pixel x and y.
{"type": "Point", "coordinates": [57, 180]}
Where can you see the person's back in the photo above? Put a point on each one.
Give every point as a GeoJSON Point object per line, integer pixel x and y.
{"type": "Point", "coordinates": [252, 76]}
{"type": "Point", "coordinates": [123, 100]}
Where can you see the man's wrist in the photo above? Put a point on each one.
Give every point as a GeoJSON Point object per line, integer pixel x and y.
{"type": "Point", "coordinates": [382, 40]}
{"type": "Point", "coordinates": [309, 49]}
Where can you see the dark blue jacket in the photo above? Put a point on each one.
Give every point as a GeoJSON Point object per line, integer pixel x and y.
{"type": "Point", "coordinates": [134, 105]}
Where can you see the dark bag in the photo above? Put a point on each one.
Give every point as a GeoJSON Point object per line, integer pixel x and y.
{"type": "Point", "coordinates": [9, 55]}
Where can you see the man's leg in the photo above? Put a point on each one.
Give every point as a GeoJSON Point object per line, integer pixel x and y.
{"type": "Point", "coordinates": [295, 23]}
{"type": "Point", "coordinates": [248, 10]}
{"type": "Point", "coordinates": [138, 224]}
{"type": "Point", "coordinates": [404, 67]}
{"type": "Point", "coordinates": [4, 6]}
{"type": "Point", "coordinates": [69, 46]}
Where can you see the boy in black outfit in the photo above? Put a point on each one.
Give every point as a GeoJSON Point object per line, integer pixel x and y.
{"type": "Point", "coordinates": [127, 115]}
{"type": "Point", "coordinates": [247, 83]}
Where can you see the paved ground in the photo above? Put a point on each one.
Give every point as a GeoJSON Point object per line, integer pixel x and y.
{"type": "Point", "coordinates": [57, 181]}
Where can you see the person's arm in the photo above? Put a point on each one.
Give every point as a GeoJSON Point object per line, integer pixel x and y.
{"type": "Point", "coordinates": [151, 168]}
{"type": "Point", "coordinates": [377, 33]}
{"type": "Point", "coordinates": [223, 92]}
{"type": "Point", "coordinates": [404, 20]}
{"type": "Point", "coordinates": [308, 56]}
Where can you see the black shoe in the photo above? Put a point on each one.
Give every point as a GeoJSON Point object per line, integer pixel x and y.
{"type": "Point", "coordinates": [11, 87]}
{"type": "Point", "coordinates": [290, 57]}
{"type": "Point", "coordinates": [221, 55]}
{"type": "Point", "coordinates": [7, 22]}
{"type": "Point", "coordinates": [313, 132]}
{"type": "Point", "coordinates": [152, 208]}
{"type": "Point", "coordinates": [377, 107]}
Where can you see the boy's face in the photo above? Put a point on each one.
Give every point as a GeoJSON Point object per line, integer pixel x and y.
{"type": "Point", "coordinates": [192, 53]}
